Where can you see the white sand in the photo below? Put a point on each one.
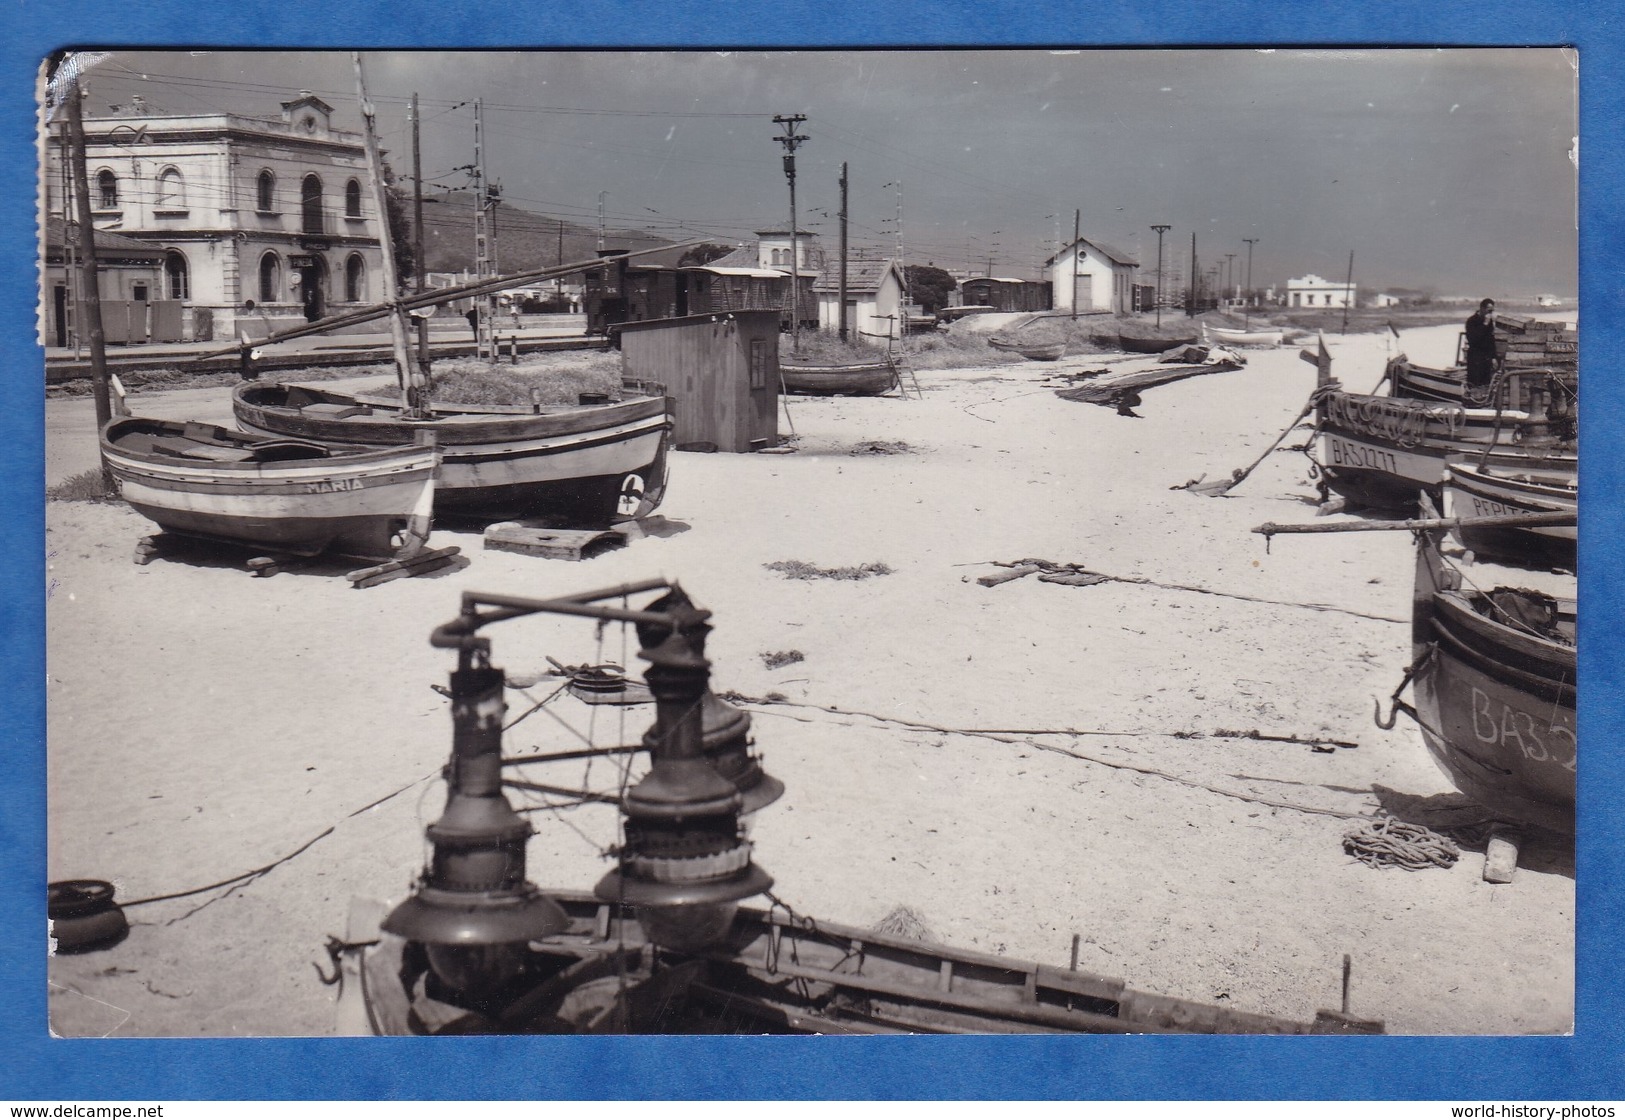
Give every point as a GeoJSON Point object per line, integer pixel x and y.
{"type": "Point", "coordinates": [204, 723]}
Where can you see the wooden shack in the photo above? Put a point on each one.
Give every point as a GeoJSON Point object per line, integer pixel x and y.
{"type": "Point", "coordinates": [722, 369]}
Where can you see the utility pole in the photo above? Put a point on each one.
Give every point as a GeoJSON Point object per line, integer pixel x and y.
{"type": "Point", "coordinates": [417, 235]}
{"type": "Point", "coordinates": [601, 195]}
{"type": "Point", "coordinates": [1229, 274]}
{"type": "Point", "coordinates": [484, 264]}
{"type": "Point", "coordinates": [89, 283]}
{"type": "Point", "coordinates": [1248, 315]}
{"type": "Point", "coordinates": [1348, 294]}
{"type": "Point", "coordinates": [791, 141]}
{"type": "Point", "coordinates": [841, 318]}
{"type": "Point", "coordinates": [1160, 230]}
{"type": "Point", "coordinates": [413, 385]}
{"type": "Point", "coordinates": [1077, 236]}
{"type": "Point", "coordinates": [1190, 305]}
{"type": "Point", "coordinates": [902, 262]}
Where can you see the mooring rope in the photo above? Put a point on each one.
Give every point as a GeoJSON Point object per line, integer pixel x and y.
{"type": "Point", "coordinates": [1386, 842]}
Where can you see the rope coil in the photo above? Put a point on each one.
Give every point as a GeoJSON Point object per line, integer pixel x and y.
{"type": "Point", "coordinates": [1386, 842]}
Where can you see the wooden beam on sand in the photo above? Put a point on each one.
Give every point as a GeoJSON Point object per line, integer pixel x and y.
{"type": "Point", "coordinates": [1510, 520]}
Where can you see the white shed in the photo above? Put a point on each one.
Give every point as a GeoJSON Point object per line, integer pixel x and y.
{"type": "Point", "coordinates": [874, 298]}
{"type": "Point", "coordinates": [1102, 276]}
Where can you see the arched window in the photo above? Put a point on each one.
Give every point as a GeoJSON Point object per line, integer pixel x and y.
{"type": "Point", "coordinates": [177, 278]}
{"type": "Point", "coordinates": [106, 190]}
{"type": "Point", "coordinates": [310, 205]}
{"type": "Point", "coordinates": [267, 192]}
{"type": "Point", "coordinates": [270, 278]}
{"type": "Point", "coordinates": [171, 190]}
{"type": "Point", "coordinates": [355, 279]}
{"type": "Point", "coordinates": [352, 199]}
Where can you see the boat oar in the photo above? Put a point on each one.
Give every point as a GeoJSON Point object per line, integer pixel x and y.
{"type": "Point", "coordinates": [1220, 487]}
{"type": "Point", "coordinates": [1509, 520]}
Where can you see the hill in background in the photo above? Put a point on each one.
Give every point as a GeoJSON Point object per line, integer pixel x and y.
{"type": "Point", "coordinates": [523, 240]}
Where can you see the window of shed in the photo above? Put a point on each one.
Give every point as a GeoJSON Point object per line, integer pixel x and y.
{"type": "Point", "coordinates": [758, 363]}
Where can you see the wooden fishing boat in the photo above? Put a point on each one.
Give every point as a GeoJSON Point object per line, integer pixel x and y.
{"type": "Point", "coordinates": [1475, 492]}
{"type": "Point", "coordinates": [1141, 344]}
{"type": "Point", "coordinates": [288, 496]}
{"type": "Point", "coordinates": [1379, 452]}
{"type": "Point", "coordinates": [1494, 680]}
{"type": "Point", "coordinates": [851, 379]}
{"type": "Point", "coordinates": [1229, 336]}
{"type": "Point", "coordinates": [1032, 351]}
{"type": "Point", "coordinates": [578, 465]}
{"type": "Point", "coordinates": [1517, 389]}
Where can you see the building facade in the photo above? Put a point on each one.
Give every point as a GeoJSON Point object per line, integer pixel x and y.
{"type": "Point", "coordinates": [874, 299]}
{"type": "Point", "coordinates": [263, 223]}
{"type": "Point", "coordinates": [1312, 291]}
{"type": "Point", "coordinates": [1102, 278]}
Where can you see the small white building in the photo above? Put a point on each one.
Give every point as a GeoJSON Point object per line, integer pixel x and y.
{"type": "Point", "coordinates": [1312, 291]}
{"type": "Point", "coordinates": [1384, 299]}
{"type": "Point", "coordinates": [874, 299]}
{"type": "Point", "coordinates": [1104, 277]}
{"type": "Point", "coordinates": [264, 222]}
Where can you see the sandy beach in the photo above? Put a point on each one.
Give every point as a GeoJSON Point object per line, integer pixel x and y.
{"type": "Point", "coordinates": [1017, 764]}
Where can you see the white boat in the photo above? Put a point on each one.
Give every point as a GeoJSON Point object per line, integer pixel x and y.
{"type": "Point", "coordinates": [286, 496]}
{"type": "Point", "coordinates": [1230, 336]}
{"type": "Point", "coordinates": [1471, 491]}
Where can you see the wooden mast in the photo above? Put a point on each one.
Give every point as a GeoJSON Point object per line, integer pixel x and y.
{"type": "Point", "coordinates": [414, 385]}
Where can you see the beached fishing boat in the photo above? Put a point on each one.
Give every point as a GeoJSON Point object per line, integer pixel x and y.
{"type": "Point", "coordinates": [579, 465]}
{"type": "Point", "coordinates": [852, 379]}
{"type": "Point", "coordinates": [1229, 336]}
{"type": "Point", "coordinates": [1379, 452]}
{"type": "Point", "coordinates": [1474, 492]}
{"type": "Point", "coordinates": [1494, 680]}
{"type": "Point", "coordinates": [661, 945]}
{"type": "Point", "coordinates": [1141, 344]}
{"type": "Point", "coordinates": [1032, 351]}
{"type": "Point", "coordinates": [287, 496]}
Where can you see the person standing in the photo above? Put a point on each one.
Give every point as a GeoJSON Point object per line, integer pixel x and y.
{"type": "Point", "coordinates": [1480, 330]}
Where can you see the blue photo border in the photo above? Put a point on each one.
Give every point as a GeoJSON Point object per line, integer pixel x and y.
{"type": "Point", "coordinates": [35, 1067]}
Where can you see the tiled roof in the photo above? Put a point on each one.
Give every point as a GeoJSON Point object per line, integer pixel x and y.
{"type": "Point", "coordinates": [861, 276]}
{"type": "Point", "coordinates": [742, 257]}
{"type": "Point", "coordinates": [1115, 255]}
{"type": "Point", "coordinates": [108, 243]}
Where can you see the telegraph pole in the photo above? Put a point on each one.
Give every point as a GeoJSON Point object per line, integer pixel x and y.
{"type": "Point", "coordinates": [1229, 274]}
{"type": "Point", "coordinates": [1248, 315]}
{"type": "Point", "coordinates": [1190, 306]}
{"type": "Point", "coordinates": [841, 319]}
{"type": "Point", "coordinates": [1077, 236]}
{"type": "Point", "coordinates": [1348, 294]}
{"type": "Point", "coordinates": [417, 237]}
{"type": "Point", "coordinates": [484, 263]}
{"type": "Point", "coordinates": [791, 141]}
{"type": "Point", "coordinates": [89, 284]}
{"type": "Point", "coordinates": [1160, 230]}
{"type": "Point", "coordinates": [601, 195]}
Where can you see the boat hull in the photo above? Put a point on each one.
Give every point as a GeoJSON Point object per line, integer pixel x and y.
{"type": "Point", "coordinates": [857, 380]}
{"type": "Point", "coordinates": [1496, 705]}
{"type": "Point", "coordinates": [1379, 452]}
{"type": "Point", "coordinates": [1224, 337]}
{"type": "Point", "coordinates": [1136, 345]}
{"type": "Point", "coordinates": [585, 466]}
{"type": "Point", "coordinates": [1470, 492]}
{"type": "Point", "coordinates": [1036, 352]}
{"type": "Point", "coordinates": [373, 505]}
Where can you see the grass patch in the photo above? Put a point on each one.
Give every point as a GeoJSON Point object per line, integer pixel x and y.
{"type": "Point", "coordinates": [552, 379]}
{"type": "Point", "coordinates": [782, 658]}
{"type": "Point", "coordinates": [800, 569]}
{"type": "Point", "coordinates": [86, 486]}
{"type": "Point", "coordinates": [825, 348]}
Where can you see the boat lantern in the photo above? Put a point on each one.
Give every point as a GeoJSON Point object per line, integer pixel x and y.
{"type": "Point", "coordinates": [684, 865]}
{"type": "Point", "coordinates": [724, 730]}
{"type": "Point", "coordinates": [473, 910]}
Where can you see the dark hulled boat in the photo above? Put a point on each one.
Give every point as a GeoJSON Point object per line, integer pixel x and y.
{"type": "Point", "coordinates": [1494, 679]}
{"type": "Point", "coordinates": [852, 379]}
{"type": "Point", "coordinates": [581, 465]}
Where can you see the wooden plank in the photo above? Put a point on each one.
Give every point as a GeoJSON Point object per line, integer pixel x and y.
{"type": "Point", "coordinates": [558, 544]}
{"type": "Point", "coordinates": [421, 564]}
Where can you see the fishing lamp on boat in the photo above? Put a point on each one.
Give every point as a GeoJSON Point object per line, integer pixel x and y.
{"type": "Point", "coordinates": [724, 728]}
{"type": "Point", "coordinates": [684, 864]}
{"type": "Point", "coordinates": [473, 909]}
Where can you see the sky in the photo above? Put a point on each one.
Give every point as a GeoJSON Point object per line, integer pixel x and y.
{"type": "Point", "coordinates": [1445, 170]}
